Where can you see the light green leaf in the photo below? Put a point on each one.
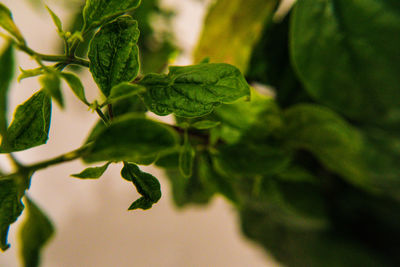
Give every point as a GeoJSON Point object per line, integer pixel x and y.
{"type": "Point", "coordinates": [10, 209]}
{"type": "Point", "coordinates": [186, 158]}
{"type": "Point", "coordinates": [146, 185]}
{"type": "Point", "coordinates": [6, 22]}
{"type": "Point", "coordinates": [130, 138]}
{"type": "Point", "coordinates": [34, 234]}
{"type": "Point", "coordinates": [114, 54]}
{"type": "Point", "coordinates": [347, 55]}
{"type": "Point", "coordinates": [31, 123]}
{"type": "Point", "coordinates": [7, 71]}
{"type": "Point", "coordinates": [96, 12]}
{"type": "Point", "coordinates": [93, 172]}
{"type": "Point", "coordinates": [76, 85]}
{"type": "Point", "coordinates": [124, 90]}
{"type": "Point", "coordinates": [55, 19]}
{"type": "Point", "coordinates": [193, 91]}
{"type": "Point", "coordinates": [30, 73]}
{"type": "Point", "coordinates": [232, 28]}
{"type": "Point", "coordinates": [206, 124]}
{"type": "Point", "coordinates": [51, 84]}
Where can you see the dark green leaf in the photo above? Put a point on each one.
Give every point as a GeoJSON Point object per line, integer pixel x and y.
{"type": "Point", "coordinates": [194, 91]}
{"type": "Point", "coordinates": [76, 85]}
{"type": "Point", "coordinates": [93, 172]}
{"type": "Point", "coordinates": [186, 158]}
{"type": "Point", "coordinates": [97, 12]}
{"type": "Point", "coordinates": [6, 22]}
{"type": "Point", "coordinates": [346, 54]}
{"type": "Point", "coordinates": [31, 123]}
{"type": "Point", "coordinates": [130, 138]}
{"type": "Point", "coordinates": [34, 234]}
{"type": "Point", "coordinates": [254, 158]}
{"type": "Point", "coordinates": [51, 84]}
{"type": "Point", "coordinates": [206, 124]}
{"type": "Point", "coordinates": [331, 139]}
{"type": "Point", "coordinates": [6, 70]}
{"type": "Point", "coordinates": [114, 54]}
{"type": "Point", "coordinates": [10, 209]}
{"type": "Point", "coordinates": [124, 90]}
{"type": "Point", "coordinates": [146, 185]}
{"type": "Point", "coordinates": [55, 19]}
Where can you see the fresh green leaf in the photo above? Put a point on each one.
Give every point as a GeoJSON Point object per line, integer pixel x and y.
{"type": "Point", "coordinates": [186, 157]}
{"type": "Point", "coordinates": [34, 234]}
{"type": "Point", "coordinates": [55, 19]}
{"type": "Point", "coordinates": [6, 70]}
{"type": "Point", "coordinates": [193, 91]}
{"type": "Point", "coordinates": [346, 54]}
{"type": "Point", "coordinates": [7, 23]}
{"type": "Point", "coordinates": [130, 138]}
{"type": "Point", "coordinates": [256, 119]}
{"type": "Point", "coordinates": [31, 124]}
{"type": "Point", "coordinates": [51, 84]}
{"type": "Point", "coordinates": [205, 125]}
{"type": "Point", "coordinates": [124, 90]}
{"type": "Point", "coordinates": [97, 12]}
{"type": "Point", "coordinates": [93, 172]}
{"type": "Point", "coordinates": [146, 185]}
{"type": "Point", "coordinates": [231, 29]}
{"type": "Point", "coordinates": [114, 54]}
{"type": "Point", "coordinates": [76, 85]}
{"type": "Point", "coordinates": [10, 209]}
{"type": "Point", "coordinates": [30, 73]}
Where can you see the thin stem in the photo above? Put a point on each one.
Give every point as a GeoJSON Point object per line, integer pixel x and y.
{"type": "Point", "coordinates": [70, 156]}
{"type": "Point", "coordinates": [54, 58]}
{"type": "Point", "coordinates": [102, 116]}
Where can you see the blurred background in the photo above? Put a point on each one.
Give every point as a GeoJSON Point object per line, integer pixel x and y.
{"type": "Point", "coordinates": [93, 226]}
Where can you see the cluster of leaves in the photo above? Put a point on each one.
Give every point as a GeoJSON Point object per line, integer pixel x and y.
{"type": "Point", "coordinates": [313, 172]}
{"type": "Point", "coordinates": [123, 133]}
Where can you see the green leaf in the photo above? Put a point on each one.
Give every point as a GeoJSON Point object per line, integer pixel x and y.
{"type": "Point", "coordinates": [7, 23]}
{"type": "Point", "coordinates": [114, 54]}
{"type": "Point", "coordinates": [34, 234]}
{"type": "Point", "coordinates": [124, 90]}
{"type": "Point", "coordinates": [6, 70]}
{"type": "Point", "coordinates": [30, 73]}
{"type": "Point", "coordinates": [205, 125]}
{"type": "Point", "coordinates": [51, 84]}
{"type": "Point", "coordinates": [232, 28]}
{"type": "Point", "coordinates": [200, 187]}
{"type": "Point", "coordinates": [55, 19]}
{"type": "Point", "coordinates": [335, 143]}
{"type": "Point", "coordinates": [31, 124]}
{"type": "Point", "coordinates": [193, 91]}
{"type": "Point", "coordinates": [256, 119]}
{"type": "Point", "coordinates": [130, 138]}
{"type": "Point", "coordinates": [96, 12]}
{"type": "Point", "coordinates": [10, 209]}
{"type": "Point", "coordinates": [186, 158]}
{"type": "Point", "coordinates": [76, 85]}
{"type": "Point", "coordinates": [146, 185]}
{"type": "Point", "coordinates": [254, 158]}
{"type": "Point", "coordinates": [346, 54]}
{"type": "Point", "coordinates": [93, 172]}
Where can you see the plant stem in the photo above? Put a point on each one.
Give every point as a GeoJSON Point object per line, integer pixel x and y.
{"type": "Point", "coordinates": [53, 58]}
{"type": "Point", "coordinates": [70, 156]}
